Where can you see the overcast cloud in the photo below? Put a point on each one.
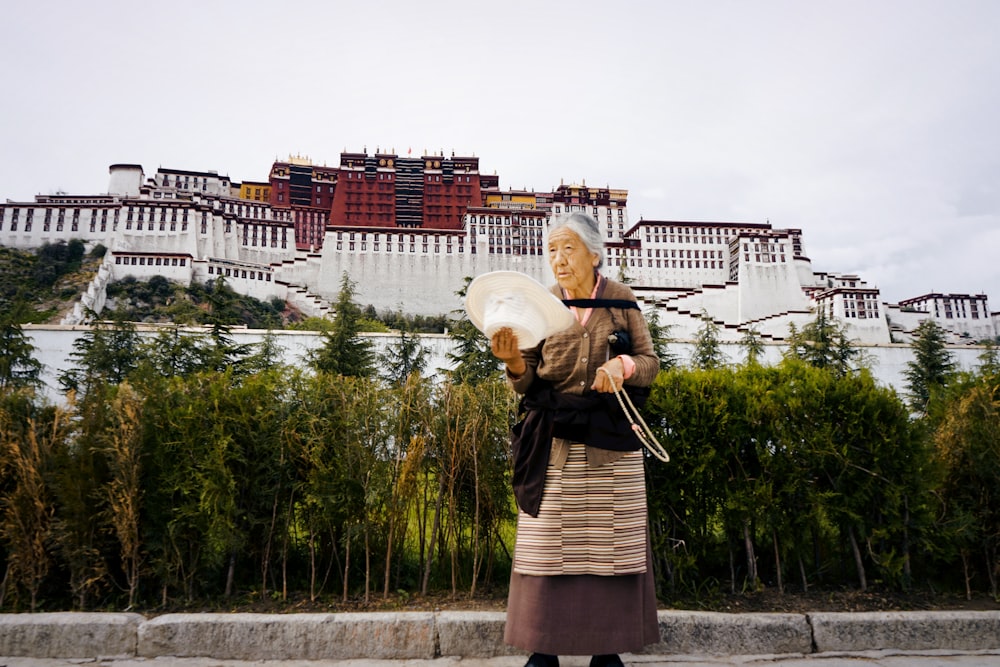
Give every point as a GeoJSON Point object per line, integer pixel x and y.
{"type": "Point", "coordinates": [871, 126]}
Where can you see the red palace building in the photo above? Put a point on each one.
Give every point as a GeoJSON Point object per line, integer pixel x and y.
{"type": "Point", "coordinates": [382, 190]}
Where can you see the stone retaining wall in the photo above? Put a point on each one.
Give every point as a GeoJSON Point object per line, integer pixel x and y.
{"type": "Point", "coordinates": [427, 635]}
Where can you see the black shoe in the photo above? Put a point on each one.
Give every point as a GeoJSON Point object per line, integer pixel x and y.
{"type": "Point", "coordinates": [542, 660]}
{"type": "Point", "coordinates": [611, 660]}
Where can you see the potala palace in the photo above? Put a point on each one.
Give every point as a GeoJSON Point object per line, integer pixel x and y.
{"type": "Point", "coordinates": [409, 230]}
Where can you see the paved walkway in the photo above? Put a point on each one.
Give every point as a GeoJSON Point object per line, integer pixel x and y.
{"type": "Point", "coordinates": [861, 659]}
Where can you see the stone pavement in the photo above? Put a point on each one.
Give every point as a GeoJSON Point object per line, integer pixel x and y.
{"type": "Point", "coordinates": [474, 639]}
{"type": "Point", "coordinates": [862, 659]}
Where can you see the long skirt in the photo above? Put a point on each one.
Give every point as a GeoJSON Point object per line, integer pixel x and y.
{"type": "Point", "coordinates": [584, 614]}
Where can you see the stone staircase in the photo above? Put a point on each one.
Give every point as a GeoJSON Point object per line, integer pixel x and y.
{"type": "Point", "coordinates": [686, 312]}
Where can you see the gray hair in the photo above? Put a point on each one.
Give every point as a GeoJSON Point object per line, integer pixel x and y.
{"type": "Point", "coordinates": [586, 228]}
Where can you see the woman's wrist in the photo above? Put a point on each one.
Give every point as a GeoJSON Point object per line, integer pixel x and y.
{"type": "Point", "coordinates": [517, 369]}
{"type": "Point", "coordinates": [628, 365]}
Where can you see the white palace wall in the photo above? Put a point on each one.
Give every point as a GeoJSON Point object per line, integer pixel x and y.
{"type": "Point", "coordinates": [767, 290]}
{"type": "Point", "coordinates": [960, 330]}
{"type": "Point", "coordinates": [394, 280]}
{"type": "Point", "coordinates": [125, 180]}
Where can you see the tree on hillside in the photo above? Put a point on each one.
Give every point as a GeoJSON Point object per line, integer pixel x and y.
{"type": "Point", "coordinates": [413, 323]}
{"type": "Point", "coordinates": [932, 364]}
{"type": "Point", "coordinates": [344, 351]}
{"type": "Point", "coordinates": [57, 259]}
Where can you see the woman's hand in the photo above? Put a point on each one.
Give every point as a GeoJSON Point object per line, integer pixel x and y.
{"type": "Point", "coordinates": [616, 368]}
{"type": "Point", "coordinates": [503, 344]}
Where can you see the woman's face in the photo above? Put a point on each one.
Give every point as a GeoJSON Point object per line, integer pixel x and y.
{"type": "Point", "coordinates": [572, 263]}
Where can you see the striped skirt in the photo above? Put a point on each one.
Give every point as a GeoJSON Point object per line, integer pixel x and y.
{"type": "Point", "coordinates": [592, 520]}
{"type": "Point", "coordinates": [582, 581]}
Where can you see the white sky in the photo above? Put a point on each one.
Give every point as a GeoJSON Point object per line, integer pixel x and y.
{"type": "Point", "coordinates": [870, 125]}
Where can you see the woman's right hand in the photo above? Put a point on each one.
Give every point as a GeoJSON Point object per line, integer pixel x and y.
{"type": "Point", "coordinates": [503, 344]}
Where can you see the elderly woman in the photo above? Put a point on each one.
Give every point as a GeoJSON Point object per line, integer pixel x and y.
{"type": "Point", "coordinates": [582, 582]}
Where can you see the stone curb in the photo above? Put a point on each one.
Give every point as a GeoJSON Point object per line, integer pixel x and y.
{"type": "Point", "coordinates": [473, 634]}
{"type": "Point", "coordinates": [69, 634]}
{"type": "Point", "coordinates": [429, 635]}
{"type": "Point", "coordinates": [376, 635]}
{"type": "Point", "coordinates": [908, 630]}
{"type": "Point", "coordinates": [715, 633]}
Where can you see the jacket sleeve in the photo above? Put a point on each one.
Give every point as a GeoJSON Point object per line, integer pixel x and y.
{"type": "Point", "coordinates": [647, 365]}
{"type": "Point", "coordinates": [522, 382]}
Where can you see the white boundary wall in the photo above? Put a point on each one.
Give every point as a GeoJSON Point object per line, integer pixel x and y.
{"type": "Point", "coordinates": [54, 343]}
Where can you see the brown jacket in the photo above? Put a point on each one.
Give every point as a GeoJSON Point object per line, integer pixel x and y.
{"type": "Point", "coordinates": [570, 358]}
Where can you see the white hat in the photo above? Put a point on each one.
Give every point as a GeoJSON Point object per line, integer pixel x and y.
{"type": "Point", "coordinates": [511, 299]}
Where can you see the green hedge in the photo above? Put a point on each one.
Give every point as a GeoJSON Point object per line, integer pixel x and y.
{"type": "Point", "coordinates": [275, 483]}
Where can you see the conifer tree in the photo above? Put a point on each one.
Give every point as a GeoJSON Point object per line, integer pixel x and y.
{"type": "Point", "coordinates": [220, 352]}
{"type": "Point", "coordinates": [824, 343]}
{"type": "Point", "coordinates": [265, 355]}
{"type": "Point", "coordinates": [932, 364]}
{"type": "Point", "coordinates": [473, 359]}
{"type": "Point", "coordinates": [344, 351]}
{"type": "Point", "coordinates": [708, 352]}
{"type": "Point", "coordinates": [171, 353]}
{"type": "Point", "coordinates": [660, 333]}
{"type": "Point", "coordinates": [402, 358]}
{"type": "Point", "coordinates": [989, 361]}
{"type": "Point", "coordinates": [752, 345]}
{"type": "Point", "coordinates": [105, 354]}
{"type": "Point", "coordinates": [18, 368]}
